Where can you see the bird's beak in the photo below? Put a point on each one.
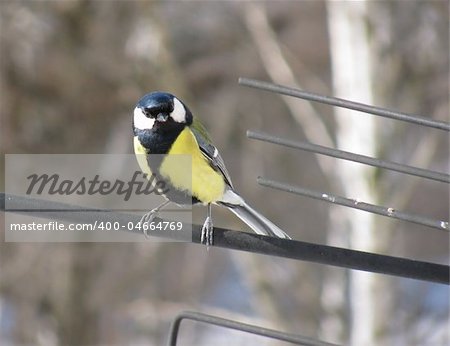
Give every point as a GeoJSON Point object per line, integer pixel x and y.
{"type": "Point", "coordinates": [162, 117]}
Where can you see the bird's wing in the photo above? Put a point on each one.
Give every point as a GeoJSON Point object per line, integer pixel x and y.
{"type": "Point", "coordinates": [210, 152]}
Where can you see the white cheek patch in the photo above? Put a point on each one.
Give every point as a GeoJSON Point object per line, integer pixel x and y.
{"type": "Point", "coordinates": [141, 121]}
{"type": "Point", "coordinates": [179, 113]}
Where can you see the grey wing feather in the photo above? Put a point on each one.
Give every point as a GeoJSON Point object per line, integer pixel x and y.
{"type": "Point", "coordinates": [236, 204]}
{"type": "Point", "coordinates": [213, 156]}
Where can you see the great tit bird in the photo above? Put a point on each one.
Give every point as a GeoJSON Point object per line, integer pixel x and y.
{"type": "Point", "coordinates": [163, 124]}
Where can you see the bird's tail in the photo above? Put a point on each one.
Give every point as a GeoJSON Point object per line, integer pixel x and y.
{"type": "Point", "coordinates": [256, 221]}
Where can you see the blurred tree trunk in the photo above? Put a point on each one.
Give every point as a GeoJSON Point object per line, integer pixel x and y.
{"type": "Point", "coordinates": [80, 319]}
{"type": "Point", "coordinates": [351, 69]}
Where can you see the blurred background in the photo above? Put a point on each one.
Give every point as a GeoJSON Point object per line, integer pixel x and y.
{"type": "Point", "coordinates": [71, 73]}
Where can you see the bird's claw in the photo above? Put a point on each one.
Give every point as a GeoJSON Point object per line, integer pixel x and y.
{"type": "Point", "coordinates": [146, 219]}
{"type": "Point", "coordinates": [207, 232]}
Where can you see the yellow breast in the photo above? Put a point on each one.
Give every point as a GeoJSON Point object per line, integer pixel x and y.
{"type": "Point", "coordinates": [187, 169]}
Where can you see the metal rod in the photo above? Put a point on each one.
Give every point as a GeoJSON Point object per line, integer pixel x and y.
{"type": "Point", "coordinates": [250, 242]}
{"type": "Point", "coordinates": [244, 327]}
{"type": "Point", "coordinates": [338, 102]}
{"type": "Point", "coordinates": [354, 203]}
{"type": "Point", "coordinates": [315, 148]}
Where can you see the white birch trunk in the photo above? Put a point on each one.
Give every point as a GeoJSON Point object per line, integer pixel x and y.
{"type": "Point", "coordinates": [351, 68]}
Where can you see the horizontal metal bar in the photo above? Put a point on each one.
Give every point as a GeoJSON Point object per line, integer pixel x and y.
{"type": "Point", "coordinates": [315, 148]}
{"type": "Point", "coordinates": [251, 242]}
{"type": "Point", "coordinates": [338, 102]}
{"type": "Point", "coordinates": [356, 204]}
{"type": "Point", "coordinates": [243, 327]}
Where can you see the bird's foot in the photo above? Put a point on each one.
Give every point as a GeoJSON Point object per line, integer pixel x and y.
{"type": "Point", "coordinates": [146, 219]}
{"type": "Point", "coordinates": [207, 232]}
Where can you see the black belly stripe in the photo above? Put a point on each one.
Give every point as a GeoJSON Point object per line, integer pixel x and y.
{"type": "Point", "coordinates": [160, 144]}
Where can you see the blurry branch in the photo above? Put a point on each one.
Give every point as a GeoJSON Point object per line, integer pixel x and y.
{"type": "Point", "coordinates": [150, 43]}
{"type": "Point", "coordinates": [279, 71]}
{"type": "Point", "coordinates": [171, 74]}
{"type": "Point", "coordinates": [242, 241]}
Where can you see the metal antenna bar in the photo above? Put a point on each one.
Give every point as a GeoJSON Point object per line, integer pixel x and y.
{"type": "Point", "coordinates": [243, 327]}
{"type": "Point", "coordinates": [242, 241]}
{"type": "Point", "coordinates": [354, 203]}
{"type": "Point", "coordinates": [315, 148]}
{"type": "Point", "coordinates": [334, 101]}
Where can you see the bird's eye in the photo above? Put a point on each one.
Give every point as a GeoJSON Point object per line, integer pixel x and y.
{"type": "Point", "coordinates": [148, 112]}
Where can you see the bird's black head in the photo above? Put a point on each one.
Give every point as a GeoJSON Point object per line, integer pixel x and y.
{"type": "Point", "coordinates": [161, 112]}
